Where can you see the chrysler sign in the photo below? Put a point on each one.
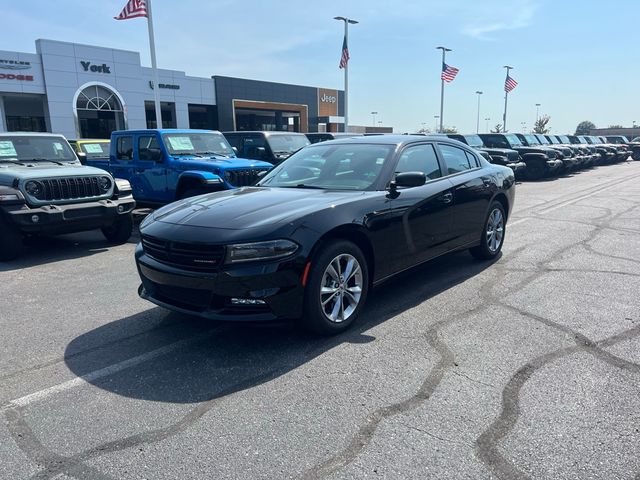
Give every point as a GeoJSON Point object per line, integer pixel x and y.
{"type": "Point", "coordinates": [14, 64]}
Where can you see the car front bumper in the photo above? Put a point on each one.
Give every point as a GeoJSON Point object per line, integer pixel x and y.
{"type": "Point", "coordinates": [263, 292]}
{"type": "Point", "coordinates": [75, 217]}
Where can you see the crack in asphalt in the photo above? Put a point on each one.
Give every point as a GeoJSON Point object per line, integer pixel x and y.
{"type": "Point", "coordinates": [503, 468]}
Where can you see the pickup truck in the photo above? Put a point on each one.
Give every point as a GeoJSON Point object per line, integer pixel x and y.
{"type": "Point", "coordinates": [540, 161]}
{"type": "Point", "coordinates": [164, 165]}
{"type": "Point", "coordinates": [45, 190]}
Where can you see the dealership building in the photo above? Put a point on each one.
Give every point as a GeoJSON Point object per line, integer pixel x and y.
{"type": "Point", "coordinates": [84, 91]}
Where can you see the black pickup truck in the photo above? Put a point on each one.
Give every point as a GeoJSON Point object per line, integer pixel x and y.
{"type": "Point", "coordinates": [540, 162]}
{"type": "Point", "coordinates": [500, 156]}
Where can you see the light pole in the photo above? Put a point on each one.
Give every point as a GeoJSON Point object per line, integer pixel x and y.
{"type": "Point", "coordinates": [374, 117]}
{"type": "Point", "coordinates": [444, 52]}
{"type": "Point", "coordinates": [506, 96]}
{"type": "Point", "coordinates": [424, 127]}
{"type": "Point", "coordinates": [524, 126]}
{"type": "Point", "coordinates": [345, 50]}
{"type": "Point", "coordinates": [478, 116]}
{"type": "Point", "coordinates": [437, 117]}
{"type": "Point", "coordinates": [486, 127]}
{"type": "Point", "coordinates": [537, 111]}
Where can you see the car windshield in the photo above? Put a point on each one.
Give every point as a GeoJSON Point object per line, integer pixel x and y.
{"type": "Point", "coordinates": [585, 139]}
{"type": "Point", "coordinates": [35, 148]}
{"type": "Point", "coordinates": [513, 139]}
{"type": "Point", "coordinates": [542, 140]}
{"type": "Point", "coordinates": [564, 139]}
{"type": "Point", "coordinates": [552, 139]}
{"type": "Point", "coordinates": [95, 149]}
{"type": "Point", "coordinates": [287, 143]}
{"type": "Point", "coordinates": [595, 140]}
{"type": "Point", "coordinates": [474, 140]}
{"type": "Point", "coordinates": [204, 143]}
{"type": "Point", "coordinates": [532, 140]}
{"type": "Point", "coordinates": [330, 166]}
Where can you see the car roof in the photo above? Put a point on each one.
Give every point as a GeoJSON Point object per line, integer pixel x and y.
{"type": "Point", "coordinates": [267, 133]}
{"type": "Point", "coordinates": [30, 134]}
{"type": "Point", "coordinates": [398, 140]}
{"type": "Point", "coordinates": [163, 130]}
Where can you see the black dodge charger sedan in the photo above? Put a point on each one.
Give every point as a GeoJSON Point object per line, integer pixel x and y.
{"type": "Point", "coordinates": [318, 231]}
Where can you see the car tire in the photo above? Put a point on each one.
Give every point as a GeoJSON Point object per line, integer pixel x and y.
{"type": "Point", "coordinates": [536, 170]}
{"type": "Point", "coordinates": [332, 302]}
{"type": "Point", "coordinates": [11, 241]}
{"type": "Point", "coordinates": [492, 235]}
{"type": "Point", "coordinates": [635, 154]}
{"type": "Point", "coordinates": [120, 231]}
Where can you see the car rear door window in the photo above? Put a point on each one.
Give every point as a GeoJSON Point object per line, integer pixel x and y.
{"type": "Point", "coordinates": [473, 160]}
{"type": "Point", "coordinates": [455, 159]}
{"type": "Point", "coordinates": [419, 158]}
{"type": "Point", "coordinates": [124, 150]}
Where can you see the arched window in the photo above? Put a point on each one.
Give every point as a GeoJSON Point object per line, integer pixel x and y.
{"type": "Point", "coordinates": [99, 110]}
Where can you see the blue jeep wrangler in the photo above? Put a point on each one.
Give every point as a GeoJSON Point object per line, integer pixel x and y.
{"type": "Point", "coordinates": [164, 165]}
{"type": "Point", "coordinates": [45, 190]}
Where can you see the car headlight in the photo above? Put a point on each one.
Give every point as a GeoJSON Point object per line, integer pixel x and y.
{"type": "Point", "coordinates": [33, 188]}
{"type": "Point", "coordinates": [104, 183]}
{"type": "Point", "coordinates": [269, 250]}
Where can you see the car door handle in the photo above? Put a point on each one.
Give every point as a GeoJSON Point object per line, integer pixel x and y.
{"type": "Point", "coordinates": [487, 183]}
{"type": "Point", "coordinates": [139, 170]}
{"type": "Point", "coordinates": [446, 198]}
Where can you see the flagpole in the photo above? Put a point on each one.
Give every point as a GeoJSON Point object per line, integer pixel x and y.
{"type": "Point", "coordinates": [444, 50]}
{"type": "Point", "coordinates": [506, 97]}
{"type": "Point", "coordinates": [152, 47]}
{"type": "Point", "coordinates": [346, 79]}
{"type": "Point", "coordinates": [346, 21]}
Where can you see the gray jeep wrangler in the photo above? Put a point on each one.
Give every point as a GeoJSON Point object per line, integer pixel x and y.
{"type": "Point", "coordinates": [44, 189]}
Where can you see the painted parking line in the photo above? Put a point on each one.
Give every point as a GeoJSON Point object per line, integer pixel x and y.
{"type": "Point", "coordinates": [105, 372]}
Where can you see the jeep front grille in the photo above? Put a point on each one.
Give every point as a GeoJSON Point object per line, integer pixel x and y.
{"type": "Point", "coordinates": [68, 188]}
{"type": "Point", "coordinates": [244, 177]}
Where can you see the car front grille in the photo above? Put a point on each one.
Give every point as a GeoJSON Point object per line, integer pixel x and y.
{"type": "Point", "coordinates": [68, 188]}
{"type": "Point", "coordinates": [185, 255]}
{"type": "Point", "coordinates": [243, 177]}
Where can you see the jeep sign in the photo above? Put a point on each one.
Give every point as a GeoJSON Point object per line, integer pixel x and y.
{"type": "Point", "coordinates": [327, 102]}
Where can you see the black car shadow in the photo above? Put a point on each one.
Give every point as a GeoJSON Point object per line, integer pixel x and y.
{"type": "Point", "coordinates": [234, 357]}
{"type": "Point", "coordinates": [43, 249]}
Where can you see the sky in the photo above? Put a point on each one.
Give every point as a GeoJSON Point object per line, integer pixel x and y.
{"type": "Point", "coordinates": [578, 59]}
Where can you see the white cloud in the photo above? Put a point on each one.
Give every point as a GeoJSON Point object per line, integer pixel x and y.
{"type": "Point", "coordinates": [496, 16]}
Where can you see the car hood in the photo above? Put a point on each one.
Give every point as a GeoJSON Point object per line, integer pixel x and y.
{"type": "Point", "coordinates": [218, 163]}
{"type": "Point", "coordinates": [252, 207]}
{"type": "Point", "coordinates": [34, 170]}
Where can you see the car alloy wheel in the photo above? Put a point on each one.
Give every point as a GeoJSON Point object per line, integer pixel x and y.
{"type": "Point", "coordinates": [341, 288]}
{"type": "Point", "coordinates": [495, 230]}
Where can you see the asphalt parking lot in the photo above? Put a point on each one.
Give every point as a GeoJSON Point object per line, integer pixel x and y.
{"type": "Point", "coordinates": [528, 367]}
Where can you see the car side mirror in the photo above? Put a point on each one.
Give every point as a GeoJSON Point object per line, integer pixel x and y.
{"type": "Point", "coordinates": [410, 179]}
{"type": "Point", "coordinates": [82, 156]}
{"type": "Point", "coordinates": [235, 149]}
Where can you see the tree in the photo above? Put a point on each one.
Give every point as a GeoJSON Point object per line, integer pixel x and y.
{"type": "Point", "coordinates": [584, 128]}
{"type": "Point", "coordinates": [424, 130]}
{"type": "Point", "coordinates": [615, 126]}
{"type": "Point", "coordinates": [497, 128]}
{"type": "Point", "coordinates": [449, 130]}
{"type": "Point", "coordinates": [541, 124]}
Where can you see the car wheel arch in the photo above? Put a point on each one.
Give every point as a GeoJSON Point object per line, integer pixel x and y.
{"type": "Point", "coordinates": [350, 233]}
{"type": "Point", "coordinates": [502, 198]}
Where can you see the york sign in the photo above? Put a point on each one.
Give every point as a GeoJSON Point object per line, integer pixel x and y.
{"type": "Point", "coordinates": [89, 67]}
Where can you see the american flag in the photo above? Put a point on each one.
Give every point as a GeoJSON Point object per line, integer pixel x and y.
{"type": "Point", "coordinates": [344, 59]}
{"type": "Point", "coordinates": [509, 84]}
{"type": "Point", "coordinates": [133, 9]}
{"type": "Point", "coordinates": [448, 72]}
